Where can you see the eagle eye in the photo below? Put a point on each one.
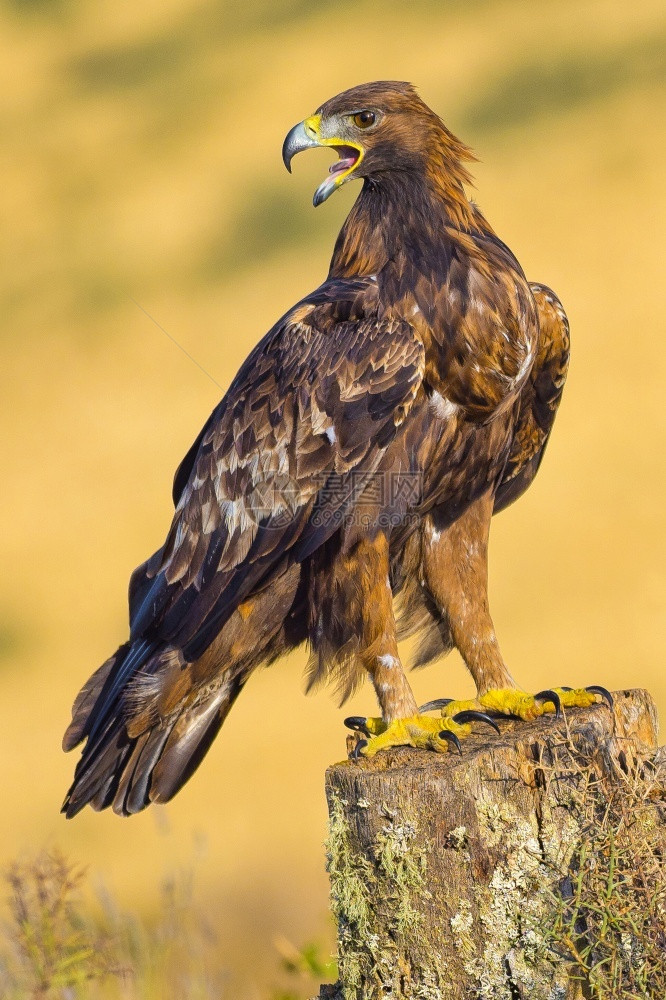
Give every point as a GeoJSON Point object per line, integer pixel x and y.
{"type": "Point", "coordinates": [364, 119]}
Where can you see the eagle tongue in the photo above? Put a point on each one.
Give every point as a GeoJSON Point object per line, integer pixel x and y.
{"type": "Point", "coordinates": [342, 164]}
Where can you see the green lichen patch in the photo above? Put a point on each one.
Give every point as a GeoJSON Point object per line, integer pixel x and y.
{"type": "Point", "coordinates": [462, 923]}
{"type": "Point", "coordinates": [402, 863]}
{"type": "Point", "coordinates": [577, 905]}
{"type": "Point", "coordinates": [351, 875]}
{"type": "Point", "coordinates": [364, 890]}
{"type": "Point", "coordinates": [512, 910]}
{"type": "Point", "coordinates": [457, 838]}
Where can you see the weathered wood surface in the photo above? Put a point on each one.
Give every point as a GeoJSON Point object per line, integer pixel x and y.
{"type": "Point", "coordinates": [456, 877]}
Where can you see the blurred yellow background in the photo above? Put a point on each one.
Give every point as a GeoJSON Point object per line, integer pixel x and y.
{"type": "Point", "coordinates": [140, 170]}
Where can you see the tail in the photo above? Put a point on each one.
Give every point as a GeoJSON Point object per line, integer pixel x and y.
{"type": "Point", "coordinates": [148, 715]}
{"type": "Point", "coordinates": [127, 765]}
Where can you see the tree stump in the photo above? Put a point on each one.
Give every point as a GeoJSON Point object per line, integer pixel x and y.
{"type": "Point", "coordinates": [532, 866]}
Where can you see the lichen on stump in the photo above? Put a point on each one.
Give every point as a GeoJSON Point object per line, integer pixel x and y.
{"type": "Point", "coordinates": [532, 866]}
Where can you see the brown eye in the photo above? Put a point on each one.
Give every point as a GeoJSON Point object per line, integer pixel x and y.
{"type": "Point", "coordinates": [364, 119]}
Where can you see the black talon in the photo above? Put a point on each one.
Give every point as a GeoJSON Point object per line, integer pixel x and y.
{"type": "Point", "coordinates": [433, 706]}
{"type": "Point", "coordinates": [358, 723]}
{"type": "Point", "coordinates": [469, 715]}
{"type": "Point", "coordinates": [606, 695]}
{"type": "Point", "coordinates": [450, 737]}
{"type": "Point", "coordinates": [357, 749]}
{"type": "Point", "coordinates": [566, 688]}
{"type": "Point", "coordinates": [551, 696]}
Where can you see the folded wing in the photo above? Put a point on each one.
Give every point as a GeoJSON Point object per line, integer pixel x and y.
{"type": "Point", "coordinates": [275, 470]}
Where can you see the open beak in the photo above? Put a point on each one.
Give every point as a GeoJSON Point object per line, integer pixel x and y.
{"type": "Point", "coordinates": [306, 135]}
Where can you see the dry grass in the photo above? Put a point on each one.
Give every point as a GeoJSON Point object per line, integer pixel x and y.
{"type": "Point", "coordinates": [610, 911]}
{"type": "Point", "coordinates": [59, 944]}
{"type": "Point", "coordinates": [51, 951]}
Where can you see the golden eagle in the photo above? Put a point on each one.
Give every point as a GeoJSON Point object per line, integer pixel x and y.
{"type": "Point", "coordinates": [341, 492]}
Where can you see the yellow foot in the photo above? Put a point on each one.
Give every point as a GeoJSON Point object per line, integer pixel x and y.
{"type": "Point", "coordinates": [512, 701]}
{"type": "Point", "coordinates": [420, 731]}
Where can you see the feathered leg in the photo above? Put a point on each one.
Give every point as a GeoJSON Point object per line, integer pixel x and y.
{"type": "Point", "coordinates": [353, 627]}
{"type": "Point", "coordinates": [455, 571]}
{"type": "Point", "coordinates": [358, 597]}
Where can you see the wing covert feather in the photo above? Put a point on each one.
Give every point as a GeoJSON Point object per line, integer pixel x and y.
{"type": "Point", "coordinates": [317, 402]}
{"type": "Point", "coordinates": [540, 398]}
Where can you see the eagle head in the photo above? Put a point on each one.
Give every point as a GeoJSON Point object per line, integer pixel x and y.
{"type": "Point", "coordinates": [376, 129]}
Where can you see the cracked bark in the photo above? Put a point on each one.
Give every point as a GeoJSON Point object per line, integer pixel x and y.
{"type": "Point", "coordinates": [448, 873]}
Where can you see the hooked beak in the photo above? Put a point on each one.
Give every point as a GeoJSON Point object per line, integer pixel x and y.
{"type": "Point", "coordinates": [306, 135]}
{"type": "Point", "coordinates": [298, 139]}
